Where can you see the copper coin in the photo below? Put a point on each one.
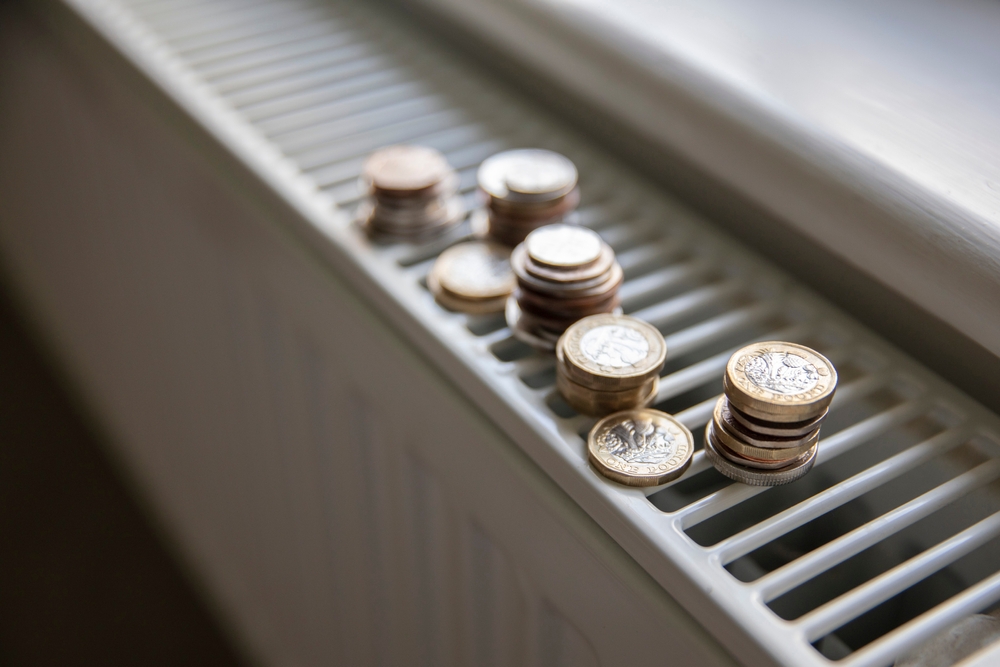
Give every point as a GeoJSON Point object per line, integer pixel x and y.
{"type": "Point", "coordinates": [580, 274]}
{"type": "Point", "coordinates": [544, 304]}
{"type": "Point", "coordinates": [757, 463]}
{"type": "Point", "coordinates": [527, 174]}
{"type": "Point", "coordinates": [607, 282]}
{"type": "Point", "coordinates": [405, 169]}
{"type": "Point", "coordinates": [754, 476]}
{"type": "Point", "coordinates": [723, 415]}
{"type": "Point", "coordinates": [531, 211]}
{"type": "Point", "coordinates": [776, 429]}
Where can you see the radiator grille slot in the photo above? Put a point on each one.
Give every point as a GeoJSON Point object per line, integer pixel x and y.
{"type": "Point", "coordinates": [894, 535]}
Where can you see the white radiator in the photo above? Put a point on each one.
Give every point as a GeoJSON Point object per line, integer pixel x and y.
{"type": "Point", "coordinates": [359, 477]}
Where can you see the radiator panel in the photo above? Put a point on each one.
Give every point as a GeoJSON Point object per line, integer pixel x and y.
{"type": "Point", "coordinates": [277, 426]}
{"type": "Point", "coordinates": [340, 500]}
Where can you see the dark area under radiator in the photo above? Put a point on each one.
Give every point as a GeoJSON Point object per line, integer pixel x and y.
{"type": "Point", "coordinates": [84, 577]}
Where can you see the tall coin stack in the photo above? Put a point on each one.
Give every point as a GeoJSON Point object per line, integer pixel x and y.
{"type": "Point", "coordinates": [765, 428]}
{"type": "Point", "coordinates": [412, 194]}
{"type": "Point", "coordinates": [526, 189]}
{"type": "Point", "coordinates": [564, 273]}
{"type": "Point", "coordinates": [608, 363]}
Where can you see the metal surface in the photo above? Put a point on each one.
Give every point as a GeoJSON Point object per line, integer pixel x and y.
{"type": "Point", "coordinates": [905, 480]}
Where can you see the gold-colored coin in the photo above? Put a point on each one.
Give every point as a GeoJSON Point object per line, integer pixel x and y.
{"type": "Point", "coordinates": [596, 403]}
{"type": "Point", "coordinates": [776, 429]}
{"type": "Point", "coordinates": [471, 306]}
{"type": "Point", "coordinates": [756, 447]}
{"type": "Point", "coordinates": [640, 447]}
{"type": "Point", "coordinates": [612, 352]}
{"type": "Point", "coordinates": [754, 463]}
{"type": "Point", "coordinates": [781, 382]}
{"type": "Point", "coordinates": [475, 270]}
{"type": "Point", "coordinates": [755, 476]}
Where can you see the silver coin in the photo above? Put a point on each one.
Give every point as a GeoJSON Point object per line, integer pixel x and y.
{"type": "Point", "coordinates": [564, 245]}
{"type": "Point", "coordinates": [751, 476]}
{"type": "Point", "coordinates": [528, 174]}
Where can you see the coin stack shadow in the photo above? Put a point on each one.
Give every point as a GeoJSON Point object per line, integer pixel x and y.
{"type": "Point", "coordinates": [765, 427]}
{"type": "Point", "coordinates": [608, 363]}
{"type": "Point", "coordinates": [411, 194]}
{"type": "Point", "coordinates": [564, 273]}
{"type": "Point", "coordinates": [526, 189]}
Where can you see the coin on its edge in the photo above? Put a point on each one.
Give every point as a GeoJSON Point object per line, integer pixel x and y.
{"type": "Point", "coordinates": [640, 447]}
{"type": "Point", "coordinates": [778, 381]}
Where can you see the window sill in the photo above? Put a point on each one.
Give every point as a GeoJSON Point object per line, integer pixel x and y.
{"type": "Point", "coordinates": [870, 130]}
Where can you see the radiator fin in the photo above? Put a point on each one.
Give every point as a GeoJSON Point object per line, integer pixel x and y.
{"type": "Point", "coordinates": [321, 84]}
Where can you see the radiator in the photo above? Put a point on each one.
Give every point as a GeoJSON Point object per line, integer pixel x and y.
{"type": "Point", "coordinates": [357, 476]}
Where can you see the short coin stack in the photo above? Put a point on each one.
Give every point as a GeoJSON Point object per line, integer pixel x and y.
{"type": "Point", "coordinates": [412, 194]}
{"type": "Point", "coordinates": [472, 277]}
{"type": "Point", "coordinates": [524, 190]}
{"type": "Point", "coordinates": [608, 363]}
{"type": "Point", "coordinates": [765, 429]}
{"type": "Point", "coordinates": [564, 273]}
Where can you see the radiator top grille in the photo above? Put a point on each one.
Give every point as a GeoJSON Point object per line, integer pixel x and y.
{"type": "Point", "coordinates": [893, 536]}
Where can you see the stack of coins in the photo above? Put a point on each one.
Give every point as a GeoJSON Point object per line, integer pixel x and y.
{"type": "Point", "coordinates": [411, 194]}
{"type": "Point", "coordinates": [640, 447]}
{"type": "Point", "coordinates": [608, 363]}
{"type": "Point", "coordinates": [472, 277]}
{"type": "Point", "coordinates": [765, 429]}
{"type": "Point", "coordinates": [526, 189]}
{"type": "Point", "coordinates": [564, 273]}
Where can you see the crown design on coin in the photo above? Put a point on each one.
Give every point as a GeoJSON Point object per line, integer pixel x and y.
{"type": "Point", "coordinates": [614, 346]}
{"type": "Point", "coordinates": [640, 441]}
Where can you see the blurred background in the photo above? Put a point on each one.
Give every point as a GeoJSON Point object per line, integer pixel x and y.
{"type": "Point", "coordinates": [85, 576]}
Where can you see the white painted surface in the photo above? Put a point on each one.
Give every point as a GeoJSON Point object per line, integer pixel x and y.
{"type": "Point", "coordinates": [870, 127]}
{"type": "Point", "coordinates": [225, 338]}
